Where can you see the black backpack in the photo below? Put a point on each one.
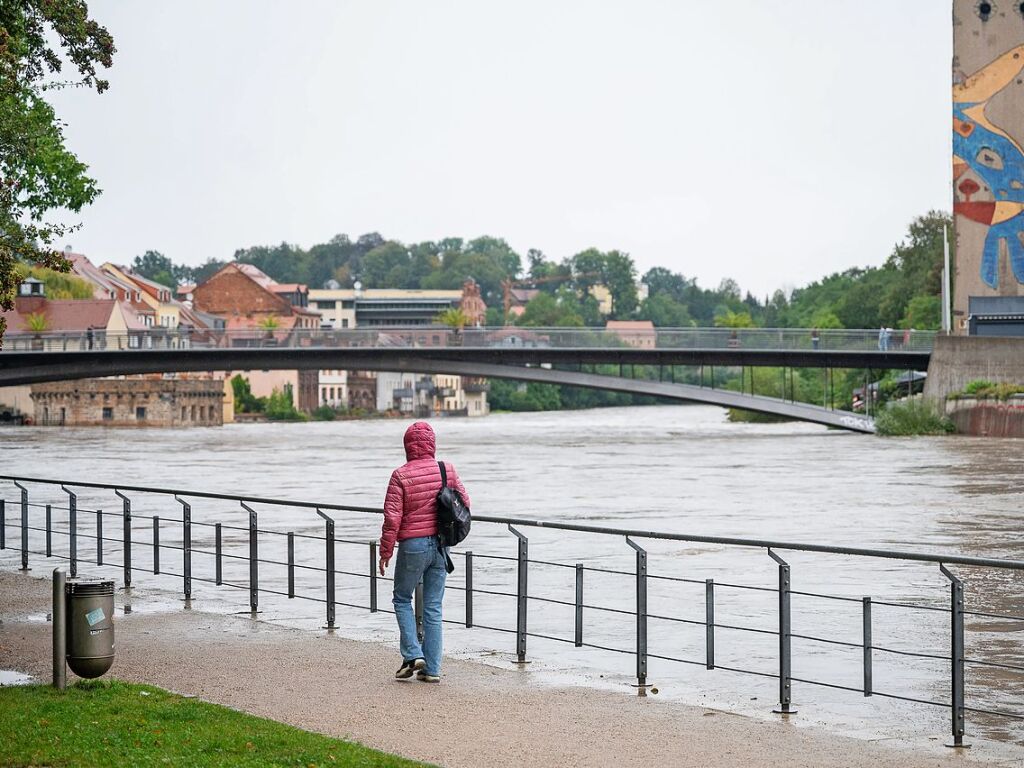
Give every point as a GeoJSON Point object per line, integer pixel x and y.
{"type": "Point", "coordinates": [453, 517]}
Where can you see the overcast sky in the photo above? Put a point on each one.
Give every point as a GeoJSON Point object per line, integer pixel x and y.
{"type": "Point", "coordinates": [770, 141]}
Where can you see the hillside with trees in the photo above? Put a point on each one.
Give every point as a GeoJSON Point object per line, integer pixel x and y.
{"type": "Point", "coordinates": [901, 293]}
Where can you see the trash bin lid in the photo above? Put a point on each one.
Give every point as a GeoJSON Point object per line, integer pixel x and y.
{"type": "Point", "coordinates": [84, 588]}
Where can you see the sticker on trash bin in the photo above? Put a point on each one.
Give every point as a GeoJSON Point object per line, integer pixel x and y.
{"type": "Point", "coordinates": [95, 616]}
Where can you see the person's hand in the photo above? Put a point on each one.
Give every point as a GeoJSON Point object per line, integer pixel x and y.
{"type": "Point", "coordinates": [384, 564]}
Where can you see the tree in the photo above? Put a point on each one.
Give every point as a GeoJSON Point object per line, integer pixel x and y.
{"type": "Point", "coordinates": [665, 312]}
{"type": "Point", "coordinates": [387, 266]}
{"type": "Point", "coordinates": [730, 319]}
{"type": "Point", "coordinates": [38, 174]}
{"type": "Point", "coordinates": [547, 311]}
{"type": "Point", "coordinates": [157, 267]}
{"type": "Point", "coordinates": [453, 317]}
{"type": "Point", "coordinates": [245, 401]}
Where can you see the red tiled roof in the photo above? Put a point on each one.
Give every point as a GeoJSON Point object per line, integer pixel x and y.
{"type": "Point", "coordinates": [65, 315]}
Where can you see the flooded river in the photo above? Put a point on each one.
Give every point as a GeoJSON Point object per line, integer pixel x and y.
{"type": "Point", "coordinates": [679, 469]}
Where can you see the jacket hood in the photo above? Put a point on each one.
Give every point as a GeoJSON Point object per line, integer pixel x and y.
{"type": "Point", "coordinates": [419, 441]}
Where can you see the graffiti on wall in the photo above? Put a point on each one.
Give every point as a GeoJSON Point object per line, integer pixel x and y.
{"type": "Point", "coordinates": [988, 166]}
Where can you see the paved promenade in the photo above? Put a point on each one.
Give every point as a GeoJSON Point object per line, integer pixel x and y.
{"type": "Point", "coordinates": [479, 716]}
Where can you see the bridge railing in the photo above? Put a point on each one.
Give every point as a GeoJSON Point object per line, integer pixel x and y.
{"type": "Point", "coordinates": [768, 339]}
{"type": "Point", "coordinates": [623, 605]}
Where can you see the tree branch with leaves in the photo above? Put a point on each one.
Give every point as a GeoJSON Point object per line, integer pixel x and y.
{"type": "Point", "coordinates": [38, 174]}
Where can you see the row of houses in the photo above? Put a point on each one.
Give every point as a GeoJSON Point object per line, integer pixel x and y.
{"type": "Point", "coordinates": [239, 303]}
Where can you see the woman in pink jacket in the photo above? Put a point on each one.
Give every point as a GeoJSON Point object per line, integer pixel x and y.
{"type": "Point", "coordinates": [410, 517]}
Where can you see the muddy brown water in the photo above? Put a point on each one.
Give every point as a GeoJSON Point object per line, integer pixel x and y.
{"type": "Point", "coordinates": [679, 469]}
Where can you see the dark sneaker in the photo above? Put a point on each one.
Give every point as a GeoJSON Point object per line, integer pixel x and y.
{"type": "Point", "coordinates": [422, 676]}
{"type": "Point", "coordinates": [409, 668]}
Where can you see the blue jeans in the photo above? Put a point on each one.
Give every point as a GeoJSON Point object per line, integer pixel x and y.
{"type": "Point", "coordinates": [417, 559]}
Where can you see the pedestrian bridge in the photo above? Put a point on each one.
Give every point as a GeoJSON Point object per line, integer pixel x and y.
{"type": "Point", "coordinates": [550, 355]}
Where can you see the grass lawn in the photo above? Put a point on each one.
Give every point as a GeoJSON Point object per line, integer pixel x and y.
{"type": "Point", "coordinates": [118, 724]}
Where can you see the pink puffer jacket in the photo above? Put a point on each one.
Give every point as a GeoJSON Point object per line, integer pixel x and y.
{"type": "Point", "coordinates": [410, 506]}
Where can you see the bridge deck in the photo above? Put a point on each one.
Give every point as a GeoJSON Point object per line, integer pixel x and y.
{"type": "Point", "coordinates": [522, 364]}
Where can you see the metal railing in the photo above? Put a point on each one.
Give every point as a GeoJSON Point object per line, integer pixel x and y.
{"type": "Point", "coordinates": [760, 339]}
{"type": "Point", "coordinates": [249, 552]}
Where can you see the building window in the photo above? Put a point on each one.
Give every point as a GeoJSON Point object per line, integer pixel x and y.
{"type": "Point", "coordinates": [192, 413]}
{"type": "Point", "coordinates": [140, 413]}
{"type": "Point", "coordinates": [63, 415]}
{"type": "Point", "coordinates": [108, 414]}
{"type": "Point", "coordinates": [183, 413]}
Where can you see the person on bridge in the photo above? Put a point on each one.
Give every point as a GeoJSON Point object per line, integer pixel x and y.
{"type": "Point", "coordinates": [410, 518]}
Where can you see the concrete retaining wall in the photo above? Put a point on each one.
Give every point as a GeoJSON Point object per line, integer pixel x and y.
{"type": "Point", "coordinates": [958, 360]}
{"type": "Point", "coordinates": [988, 418]}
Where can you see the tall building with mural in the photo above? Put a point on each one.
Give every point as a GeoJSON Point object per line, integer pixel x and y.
{"type": "Point", "coordinates": [988, 167]}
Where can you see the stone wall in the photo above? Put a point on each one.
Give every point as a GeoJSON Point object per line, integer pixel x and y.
{"type": "Point", "coordinates": [959, 360]}
{"type": "Point", "coordinates": [130, 403]}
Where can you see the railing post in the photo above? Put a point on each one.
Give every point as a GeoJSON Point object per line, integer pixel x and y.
{"type": "Point", "coordinates": [73, 531]}
{"type": "Point", "coordinates": [785, 640]}
{"type": "Point", "coordinates": [329, 542]}
{"type": "Point", "coordinates": [956, 609]}
{"type": "Point", "coordinates": [254, 560]}
{"type": "Point", "coordinates": [3, 524]}
{"type": "Point", "coordinates": [641, 617]}
{"type": "Point", "coordinates": [126, 516]}
{"type": "Point", "coordinates": [156, 544]}
{"type": "Point", "coordinates": [866, 601]}
{"type": "Point", "coordinates": [709, 623]}
{"type": "Point", "coordinates": [99, 537]}
{"type": "Point", "coordinates": [373, 577]}
{"type": "Point", "coordinates": [218, 563]}
{"type": "Point", "coordinates": [186, 547]}
{"type": "Point", "coordinates": [578, 639]}
{"type": "Point", "coordinates": [521, 596]}
{"type": "Point", "coordinates": [49, 528]}
{"type": "Point", "coordinates": [469, 589]}
{"type": "Point", "coordinates": [291, 565]}
{"type": "Point", "coordinates": [24, 526]}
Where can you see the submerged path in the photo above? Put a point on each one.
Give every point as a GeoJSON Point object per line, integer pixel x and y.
{"type": "Point", "coordinates": [479, 716]}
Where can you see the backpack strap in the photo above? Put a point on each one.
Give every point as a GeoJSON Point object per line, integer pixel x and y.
{"type": "Point", "coordinates": [444, 475]}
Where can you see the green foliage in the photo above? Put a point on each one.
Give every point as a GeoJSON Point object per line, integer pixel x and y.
{"type": "Point", "coordinates": [547, 311]}
{"type": "Point", "coordinates": [160, 269]}
{"type": "Point", "coordinates": [38, 173]}
{"type": "Point", "coordinates": [730, 319]}
{"type": "Point", "coordinates": [37, 322]}
{"type": "Point", "coordinates": [902, 293]}
{"type": "Point", "coordinates": [281, 407]}
{"type": "Point", "coordinates": [58, 284]}
{"type": "Point", "coordinates": [923, 312]}
{"type": "Point", "coordinates": [912, 416]}
{"type": "Point", "coordinates": [101, 723]}
{"type": "Point", "coordinates": [269, 323]}
{"type": "Point", "coordinates": [665, 312]}
{"type": "Point", "coordinates": [453, 318]}
{"type": "Point", "coordinates": [510, 396]}
{"type": "Point", "coordinates": [982, 388]}
{"type": "Point", "coordinates": [245, 401]}
{"type": "Point", "coordinates": [325, 413]}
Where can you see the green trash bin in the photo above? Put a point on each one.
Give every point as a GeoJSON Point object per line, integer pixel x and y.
{"type": "Point", "coordinates": [90, 626]}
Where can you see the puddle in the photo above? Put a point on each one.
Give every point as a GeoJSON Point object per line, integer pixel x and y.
{"type": "Point", "coordinates": [8, 677]}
